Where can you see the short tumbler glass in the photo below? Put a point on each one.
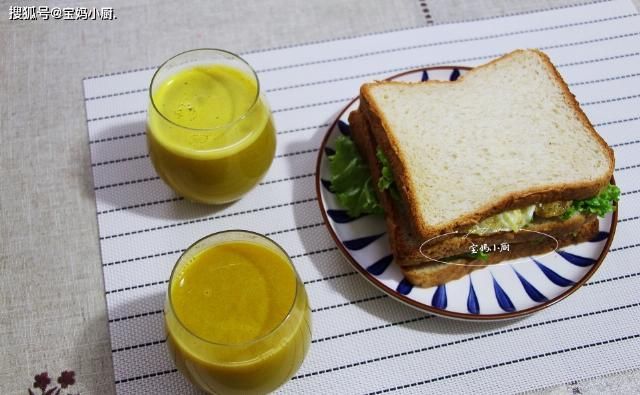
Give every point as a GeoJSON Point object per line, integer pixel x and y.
{"type": "Point", "coordinates": [257, 366]}
{"type": "Point", "coordinates": [210, 131]}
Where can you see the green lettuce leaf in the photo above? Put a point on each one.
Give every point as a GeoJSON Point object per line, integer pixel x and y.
{"type": "Point", "coordinates": [351, 180]}
{"type": "Point", "coordinates": [386, 177]}
{"type": "Point", "coordinates": [483, 256]}
{"type": "Point", "coordinates": [478, 255]}
{"type": "Point", "coordinates": [600, 204]}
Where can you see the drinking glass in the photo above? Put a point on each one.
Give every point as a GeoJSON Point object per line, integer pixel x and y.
{"type": "Point", "coordinates": [210, 131]}
{"type": "Point", "coordinates": [257, 366]}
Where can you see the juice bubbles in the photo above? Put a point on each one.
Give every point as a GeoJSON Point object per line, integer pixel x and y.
{"type": "Point", "coordinates": [209, 130]}
{"type": "Point", "coordinates": [237, 315]}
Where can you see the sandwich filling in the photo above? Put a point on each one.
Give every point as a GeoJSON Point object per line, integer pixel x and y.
{"type": "Point", "coordinates": [514, 220]}
{"type": "Point", "coordinates": [386, 178]}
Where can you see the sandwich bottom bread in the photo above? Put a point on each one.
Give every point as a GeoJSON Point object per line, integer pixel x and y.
{"type": "Point", "coordinates": [430, 274]}
{"type": "Point", "coordinates": [441, 268]}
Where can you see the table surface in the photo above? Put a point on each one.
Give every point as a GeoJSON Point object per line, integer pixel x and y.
{"type": "Point", "coordinates": [52, 305]}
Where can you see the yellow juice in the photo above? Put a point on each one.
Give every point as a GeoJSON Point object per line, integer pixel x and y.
{"type": "Point", "coordinates": [210, 133]}
{"type": "Point", "coordinates": [237, 317]}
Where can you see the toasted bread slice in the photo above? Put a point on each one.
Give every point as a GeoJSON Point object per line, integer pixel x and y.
{"type": "Point", "coordinates": [430, 274]}
{"type": "Point", "coordinates": [506, 135]}
{"type": "Point", "coordinates": [409, 249]}
{"type": "Point", "coordinates": [402, 239]}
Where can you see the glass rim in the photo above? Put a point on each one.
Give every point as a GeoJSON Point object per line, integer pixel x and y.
{"type": "Point", "coordinates": [226, 125]}
{"type": "Point", "coordinates": [257, 339]}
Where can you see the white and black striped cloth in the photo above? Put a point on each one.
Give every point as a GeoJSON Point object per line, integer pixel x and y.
{"type": "Point", "coordinates": [363, 341]}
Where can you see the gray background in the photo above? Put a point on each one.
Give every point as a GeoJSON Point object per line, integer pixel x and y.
{"type": "Point", "coordinates": [52, 305]}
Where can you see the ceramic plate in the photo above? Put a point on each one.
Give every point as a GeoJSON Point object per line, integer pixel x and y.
{"type": "Point", "coordinates": [506, 290]}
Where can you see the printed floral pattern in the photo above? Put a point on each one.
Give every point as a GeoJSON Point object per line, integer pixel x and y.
{"type": "Point", "coordinates": [67, 378]}
{"type": "Point", "coordinates": [41, 381]}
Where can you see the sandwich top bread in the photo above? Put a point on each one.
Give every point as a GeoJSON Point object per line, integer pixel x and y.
{"type": "Point", "coordinates": [508, 134]}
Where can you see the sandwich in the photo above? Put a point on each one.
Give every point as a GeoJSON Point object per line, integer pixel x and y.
{"type": "Point", "coordinates": [500, 164]}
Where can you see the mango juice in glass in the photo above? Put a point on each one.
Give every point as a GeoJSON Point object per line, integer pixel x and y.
{"type": "Point", "coordinates": [209, 130]}
{"type": "Point", "coordinates": [236, 315]}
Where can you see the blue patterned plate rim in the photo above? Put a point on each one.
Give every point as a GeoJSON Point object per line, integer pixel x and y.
{"type": "Point", "coordinates": [412, 302]}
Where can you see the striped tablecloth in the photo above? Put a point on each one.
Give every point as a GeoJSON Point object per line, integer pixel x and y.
{"type": "Point", "coordinates": [364, 341]}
